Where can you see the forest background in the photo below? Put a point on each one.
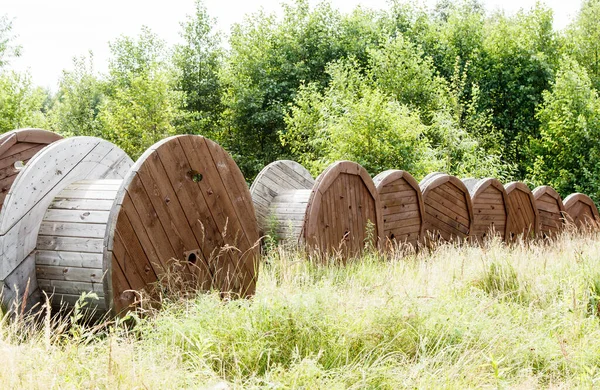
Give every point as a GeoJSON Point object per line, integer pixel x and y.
{"type": "Point", "coordinates": [450, 88]}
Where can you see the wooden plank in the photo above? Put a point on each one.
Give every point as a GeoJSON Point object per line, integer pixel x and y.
{"type": "Point", "coordinates": [69, 259]}
{"type": "Point", "coordinates": [68, 229]}
{"type": "Point", "coordinates": [71, 274]}
{"type": "Point", "coordinates": [70, 244]}
{"type": "Point", "coordinates": [87, 216]}
{"type": "Point", "coordinates": [81, 204]}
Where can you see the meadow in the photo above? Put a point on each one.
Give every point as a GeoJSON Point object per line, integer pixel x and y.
{"type": "Point", "coordinates": [457, 316]}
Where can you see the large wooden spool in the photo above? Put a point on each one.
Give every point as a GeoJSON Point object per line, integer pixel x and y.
{"type": "Point", "coordinates": [551, 210]}
{"type": "Point", "coordinates": [17, 147]}
{"type": "Point", "coordinates": [490, 208]}
{"type": "Point", "coordinates": [523, 217]}
{"type": "Point", "coordinates": [329, 215]}
{"type": "Point", "coordinates": [448, 207]}
{"type": "Point", "coordinates": [402, 206]}
{"type": "Point", "coordinates": [280, 195]}
{"type": "Point", "coordinates": [183, 205]}
{"type": "Point", "coordinates": [582, 211]}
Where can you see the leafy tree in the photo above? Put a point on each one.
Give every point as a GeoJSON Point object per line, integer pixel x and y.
{"type": "Point", "coordinates": [583, 39]}
{"type": "Point", "coordinates": [78, 100]}
{"type": "Point", "coordinates": [7, 49]}
{"type": "Point", "coordinates": [21, 104]}
{"type": "Point", "coordinates": [198, 63]}
{"type": "Point", "coordinates": [268, 62]}
{"type": "Point", "coordinates": [568, 152]}
{"type": "Point", "coordinates": [141, 104]}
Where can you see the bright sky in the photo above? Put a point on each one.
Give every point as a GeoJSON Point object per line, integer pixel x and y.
{"type": "Point", "coordinates": [52, 32]}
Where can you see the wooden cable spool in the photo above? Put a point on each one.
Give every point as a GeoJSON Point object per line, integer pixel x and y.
{"type": "Point", "coordinates": [329, 216]}
{"type": "Point", "coordinates": [402, 206]}
{"type": "Point", "coordinates": [280, 195]}
{"type": "Point", "coordinates": [551, 210]}
{"type": "Point", "coordinates": [490, 208]}
{"type": "Point", "coordinates": [523, 216]}
{"type": "Point", "coordinates": [184, 202]}
{"type": "Point", "coordinates": [582, 211]}
{"type": "Point", "coordinates": [448, 207]}
{"type": "Point", "coordinates": [17, 147]}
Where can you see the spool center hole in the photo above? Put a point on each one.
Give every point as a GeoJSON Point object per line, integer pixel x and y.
{"type": "Point", "coordinates": [192, 258]}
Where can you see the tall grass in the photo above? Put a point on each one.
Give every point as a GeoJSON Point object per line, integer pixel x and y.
{"type": "Point", "coordinates": [459, 316]}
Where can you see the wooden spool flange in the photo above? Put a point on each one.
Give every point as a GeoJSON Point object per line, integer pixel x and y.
{"type": "Point", "coordinates": [582, 211]}
{"type": "Point", "coordinates": [448, 207]}
{"type": "Point", "coordinates": [402, 206]}
{"type": "Point", "coordinates": [184, 201]}
{"type": "Point", "coordinates": [490, 208]}
{"type": "Point", "coordinates": [17, 147]}
{"type": "Point", "coordinates": [280, 194]}
{"type": "Point", "coordinates": [523, 216]}
{"type": "Point", "coordinates": [551, 210]}
{"type": "Point", "coordinates": [49, 172]}
{"type": "Point", "coordinates": [342, 203]}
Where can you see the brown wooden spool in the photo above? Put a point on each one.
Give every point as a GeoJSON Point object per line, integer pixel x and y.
{"type": "Point", "coordinates": [342, 203]}
{"type": "Point", "coordinates": [523, 216]}
{"type": "Point", "coordinates": [448, 207]}
{"type": "Point", "coordinates": [402, 206]}
{"type": "Point", "coordinates": [551, 210]}
{"type": "Point", "coordinates": [582, 211]}
{"type": "Point", "coordinates": [17, 147]}
{"type": "Point", "coordinates": [100, 224]}
{"type": "Point", "coordinates": [490, 208]}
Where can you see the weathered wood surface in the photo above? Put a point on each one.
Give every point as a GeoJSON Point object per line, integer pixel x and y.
{"type": "Point", "coordinates": [35, 188]}
{"type": "Point", "coordinates": [402, 206]}
{"type": "Point", "coordinates": [342, 203]}
{"type": "Point", "coordinates": [582, 211]}
{"type": "Point", "coordinates": [490, 208]}
{"type": "Point", "coordinates": [448, 207]}
{"type": "Point", "coordinates": [550, 209]}
{"type": "Point", "coordinates": [17, 147]}
{"type": "Point", "coordinates": [70, 242]}
{"type": "Point", "coordinates": [185, 194]}
{"type": "Point", "coordinates": [280, 195]}
{"type": "Point", "coordinates": [523, 216]}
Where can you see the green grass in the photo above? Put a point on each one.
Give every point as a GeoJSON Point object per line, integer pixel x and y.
{"type": "Point", "coordinates": [459, 317]}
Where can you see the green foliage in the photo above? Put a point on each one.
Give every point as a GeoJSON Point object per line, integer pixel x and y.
{"type": "Point", "coordinates": [197, 63]}
{"type": "Point", "coordinates": [141, 105]}
{"type": "Point", "coordinates": [21, 104]}
{"type": "Point", "coordinates": [568, 154]}
{"type": "Point", "coordinates": [355, 121]}
{"type": "Point", "coordinates": [78, 101]}
{"type": "Point", "coordinates": [583, 39]}
{"type": "Point", "coordinates": [7, 49]}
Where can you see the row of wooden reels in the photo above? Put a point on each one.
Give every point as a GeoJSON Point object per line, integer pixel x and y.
{"type": "Point", "coordinates": [331, 213]}
{"type": "Point", "coordinates": [78, 215]}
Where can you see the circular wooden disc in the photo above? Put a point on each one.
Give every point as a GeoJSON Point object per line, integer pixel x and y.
{"type": "Point", "coordinates": [582, 211]}
{"type": "Point", "coordinates": [523, 216]}
{"type": "Point", "coordinates": [276, 177]}
{"type": "Point", "coordinates": [341, 204]}
{"type": "Point", "coordinates": [490, 207]}
{"type": "Point", "coordinates": [448, 208]}
{"type": "Point", "coordinates": [35, 187]}
{"type": "Point", "coordinates": [184, 204]}
{"type": "Point", "coordinates": [551, 210]}
{"type": "Point", "coordinates": [402, 205]}
{"type": "Point", "coordinates": [18, 147]}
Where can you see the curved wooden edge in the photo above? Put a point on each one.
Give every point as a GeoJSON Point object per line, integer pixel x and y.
{"type": "Point", "coordinates": [107, 260]}
{"type": "Point", "coordinates": [517, 185]}
{"type": "Point", "coordinates": [577, 197]}
{"type": "Point", "coordinates": [31, 135]}
{"type": "Point", "coordinates": [429, 177]}
{"type": "Point", "coordinates": [441, 178]}
{"type": "Point", "coordinates": [324, 181]}
{"type": "Point", "coordinates": [391, 175]}
{"type": "Point", "coordinates": [541, 190]}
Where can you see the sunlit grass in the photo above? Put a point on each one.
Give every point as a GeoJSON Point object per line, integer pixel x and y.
{"type": "Point", "coordinates": [461, 316]}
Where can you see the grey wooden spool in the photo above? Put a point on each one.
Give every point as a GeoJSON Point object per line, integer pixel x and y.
{"type": "Point", "coordinates": [35, 188]}
{"type": "Point", "coordinates": [280, 194]}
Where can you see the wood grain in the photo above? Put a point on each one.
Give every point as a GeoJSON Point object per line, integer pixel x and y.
{"type": "Point", "coordinates": [523, 216]}
{"type": "Point", "coordinates": [490, 208]}
{"type": "Point", "coordinates": [582, 211]}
